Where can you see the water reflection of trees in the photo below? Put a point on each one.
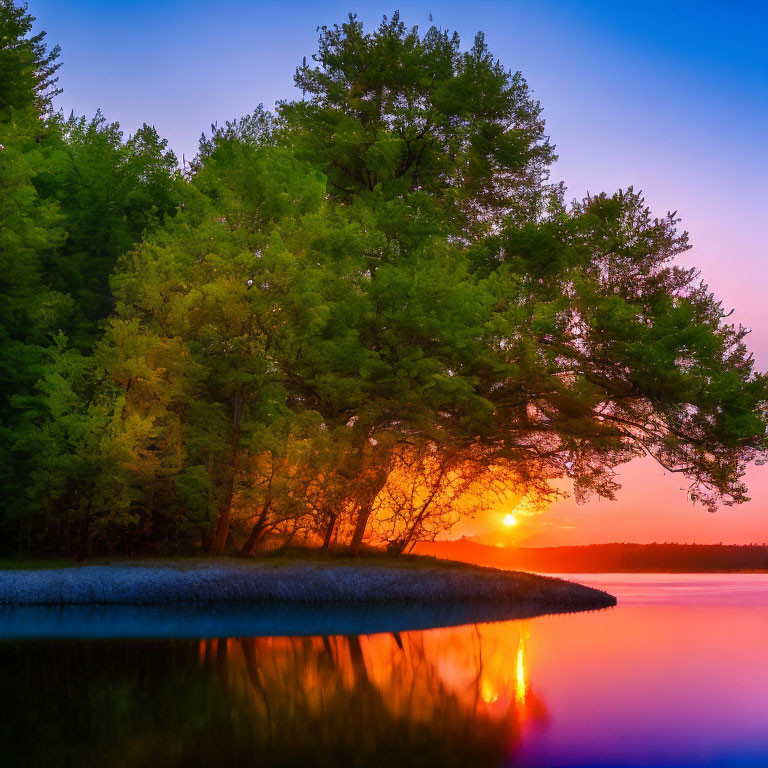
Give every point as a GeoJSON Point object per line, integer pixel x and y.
{"type": "Point", "coordinates": [446, 697]}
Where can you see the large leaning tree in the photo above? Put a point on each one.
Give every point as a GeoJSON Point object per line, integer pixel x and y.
{"type": "Point", "coordinates": [379, 285]}
{"type": "Point", "coordinates": [547, 338]}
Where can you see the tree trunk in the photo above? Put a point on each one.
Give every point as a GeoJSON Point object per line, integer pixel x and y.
{"type": "Point", "coordinates": [221, 534]}
{"type": "Point", "coordinates": [398, 547]}
{"type": "Point", "coordinates": [363, 514]}
{"type": "Point", "coordinates": [251, 543]}
{"type": "Point", "coordinates": [84, 536]}
{"type": "Point", "coordinates": [249, 547]}
{"type": "Point", "coordinates": [364, 511]}
{"type": "Point", "coordinates": [329, 530]}
{"type": "Point", "coordinates": [292, 536]}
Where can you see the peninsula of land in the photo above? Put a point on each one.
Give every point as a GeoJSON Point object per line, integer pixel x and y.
{"type": "Point", "coordinates": [363, 581]}
{"type": "Point", "coordinates": [219, 597]}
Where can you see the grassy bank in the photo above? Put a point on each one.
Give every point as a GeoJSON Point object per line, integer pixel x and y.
{"type": "Point", "coordinates": [292, 579]}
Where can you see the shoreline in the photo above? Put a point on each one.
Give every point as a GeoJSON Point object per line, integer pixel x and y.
{"type": "Point", "coordinates": [200, 598]}
{"type": "Point", "coordinates": [295, 582]}
{"type": "Point", "coordinates": [193, 621]}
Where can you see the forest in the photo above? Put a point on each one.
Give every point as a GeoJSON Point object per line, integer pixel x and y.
{"type": "Point", "coordinates": [347, 322]}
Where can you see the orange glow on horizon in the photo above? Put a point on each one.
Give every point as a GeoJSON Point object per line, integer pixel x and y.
{"type": "Point", "coordinates": [650, 507]}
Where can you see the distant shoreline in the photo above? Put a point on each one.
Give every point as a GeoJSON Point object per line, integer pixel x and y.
{"type": "Point", "coordinates": [743, 571]}
{"type": "Point", "coordinates": [607, 558]}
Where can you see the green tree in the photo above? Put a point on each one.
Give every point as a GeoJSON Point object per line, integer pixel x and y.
{"type": "Point", "coordinates": [73, 197]}
{"type": "Point", "coordinates": [606, 350]}
{"type": "Point", "coordinates": [27, 68]}
{"type": "Point", "coordinates": [392, 112]}
{"type": "Point", "coordinates": [110, 191]}
{"type": "Point", "coordinates": [416, 282]}
{"type": "Point", "coordinates": [31, 227]}
{"type": "Point", "coordinates": [197, 349]}
{"type": "Point", "coordinates": [357, 311]}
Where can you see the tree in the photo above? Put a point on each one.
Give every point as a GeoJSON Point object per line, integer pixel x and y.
{"type": "Point", "coordinates": [215, 289]}
{"type": "Point", "coordinates": [422, 295]}
{"type": "Point", "coordinates": [111, 192]}
{"type": "Point", "coordinates": [428, 148]}
{"type": "Point", "coordinates": [31, 228]}
{"type": "Point", "coordinates": [344, 320]}
{"type": "Point", "coordinates": [27, 68]}
{"type": "Point", "coordinates": [605, 350]}
{"type": "Point", "coordinates": [554, 340]}
{"type": "Point", "coordinates": [427, 492]}
{"type": "Point", "coordinates": [74, 197]}
{"type": "Point", "coordinates": [391, 113]}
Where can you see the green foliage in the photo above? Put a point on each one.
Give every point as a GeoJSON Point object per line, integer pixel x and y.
{"type": "Point", "coordinates": [392, 112]}
{"type": "Point", "coordinates": [27, 68]}
{"type": "Point", "coordinates": [73, 197]}
{"type": "Point", "coordinates": [629, 352]}
{"type": "Point", "coordinates": [110, 192]}
{"type": "Point", "coordinates": [30, 228]}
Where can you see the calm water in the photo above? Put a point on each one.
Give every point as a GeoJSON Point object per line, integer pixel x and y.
{"type": "Point", "coordinates": [677, 674]}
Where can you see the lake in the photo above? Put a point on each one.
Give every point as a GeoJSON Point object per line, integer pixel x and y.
{"type": "Point", "coordinates": [676, 674]}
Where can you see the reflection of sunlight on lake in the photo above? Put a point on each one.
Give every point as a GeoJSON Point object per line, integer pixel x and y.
{"type": "Point", "coordinates": [413, 673]}
{"type": "Point", "coordinates": [468, 680]}
{"type": "Point", "coordinates": [487, 692]}
{"type": "Point", "coordinates": [586, 687]}
{"type": "Point", "coordinates": [520, 670]}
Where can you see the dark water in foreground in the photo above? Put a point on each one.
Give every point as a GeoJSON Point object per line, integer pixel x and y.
{"type": "Point", "coordinates": [677, 674]}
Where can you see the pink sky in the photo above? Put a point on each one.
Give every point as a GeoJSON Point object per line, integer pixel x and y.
{"type": "Point", "coordinates": [651, 506]}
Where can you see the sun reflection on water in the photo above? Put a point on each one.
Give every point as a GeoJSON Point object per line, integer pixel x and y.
{"type": "Point", "coordinates": [470, 680]}
{"type": "Point", "coordinates": [520, 689]}
{"type": "Point", "coordinates": [487, 692]}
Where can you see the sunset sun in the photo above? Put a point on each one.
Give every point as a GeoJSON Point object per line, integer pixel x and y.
{"type": "Point", "coordinates": [510, 520]}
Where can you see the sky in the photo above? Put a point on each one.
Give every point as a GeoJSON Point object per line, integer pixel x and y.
{"type": "Point", "coordinates": [670, 97]}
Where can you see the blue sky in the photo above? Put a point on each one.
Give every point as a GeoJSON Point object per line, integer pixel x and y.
{"type": "Point", "coordinates": [671, 97]}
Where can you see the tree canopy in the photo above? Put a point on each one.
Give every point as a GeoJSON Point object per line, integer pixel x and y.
{"type": "Point", "coordinates": [356, 319]}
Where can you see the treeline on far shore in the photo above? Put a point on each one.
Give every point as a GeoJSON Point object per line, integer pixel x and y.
{"type": "Point", "coordinates": [608, 558]}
